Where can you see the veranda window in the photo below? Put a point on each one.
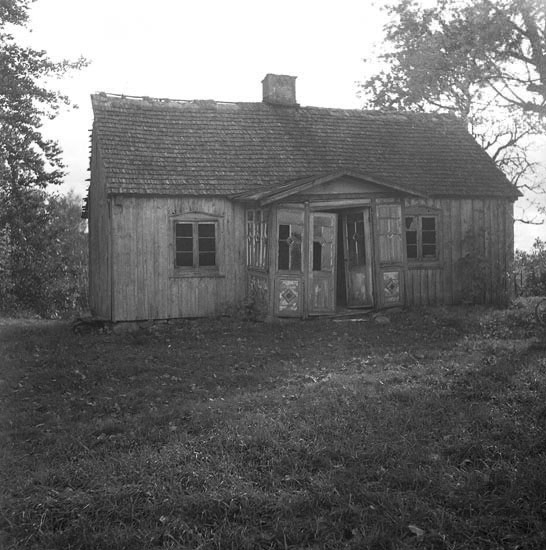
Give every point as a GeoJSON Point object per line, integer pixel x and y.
{"type": "Point", "coordinates": [256, 250]}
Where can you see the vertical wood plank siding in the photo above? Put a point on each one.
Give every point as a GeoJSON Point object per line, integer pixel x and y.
{"type": "Point", "coordinates": [424, 287]}
{"type": "Point", "coordinates": [100, 291]}
{"type": "Point", "coordinates": [476, 246]}
{"type": "Point", "coordinates": [145, 284]}
{"type": "Point", "coordinates": [132, 273]}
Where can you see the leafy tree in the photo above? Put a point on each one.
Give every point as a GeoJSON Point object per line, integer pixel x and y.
{"type": "Point", "coordinates": [65, 256]}
{"type": "Point", "coordinates": [482, 60]}
{"type": "Point", "coordinates": [29, 162]}
{"type": "Point", "coordinates": [45, 269]}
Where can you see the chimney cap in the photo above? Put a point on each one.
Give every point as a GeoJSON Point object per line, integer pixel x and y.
{"type": "Point", "coordinates": [279, 76]}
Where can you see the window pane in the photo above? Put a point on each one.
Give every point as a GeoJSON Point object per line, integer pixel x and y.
{"type": "Point", "coordinates": [429, 251]}
{"type": "Point", "coordinates": [284, 254]}
{"type": "Point", "coordinates": [360, 243]}
{"type": "Point", "coordinates": [206, 230]}
{"type": "Point", "coordinates": [410, 223]}
{"type": "Point", "coordinates": [429, 237]}
{"type": "Point", "coordinates": [207, 245]}
{"type": "Point", "coordinates": [355, 241]}
{"type": "Point", "coordinates": [412, 250]}
{"type": "Point", "coordinates": [207, 259]}
{"type": "Point", "coordinates": [317, 256]}
{"type": "Point", "coordinates": [289, 247]}
{"type": "Point", "coordinates": [184, 244]}
{"type": "Point", "coordinates": [184, 259]}
{"type": "Point", "coordinates": [295, 258]}
{"type": "Point", "coordinates": [411, 237]}
{"type": "Point", "coordinates": [284, 231]}
{"type": "Point", "coordinates": [284, 248]}
{"type": "Point", "coordinates": [184, 230]}
{"type": "Point", "coordinates": [428, 224]}
{"type": "Point", "coordinates": [295, 252]}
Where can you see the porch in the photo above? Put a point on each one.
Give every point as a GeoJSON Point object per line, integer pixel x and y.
{"type": "Point", "coordinates": [333, 248]}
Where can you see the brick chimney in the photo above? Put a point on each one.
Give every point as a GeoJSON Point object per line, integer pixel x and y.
{"type": "Point", "coordinates": [279, 89]}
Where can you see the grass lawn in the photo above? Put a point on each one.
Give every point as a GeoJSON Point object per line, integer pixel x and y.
{"type": "Point", "coordinates": [428, 432]}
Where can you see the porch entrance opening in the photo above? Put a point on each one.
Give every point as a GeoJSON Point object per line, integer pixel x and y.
{"type": "Point", "coordinates": [323, 261]}
{"type": "Point", "coordinates": [340, 266]}
{"type": "Point", "coordinates": [355, 284]}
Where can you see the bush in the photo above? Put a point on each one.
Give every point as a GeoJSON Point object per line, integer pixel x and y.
{"type": "Point", "coordinates": [530, 270]}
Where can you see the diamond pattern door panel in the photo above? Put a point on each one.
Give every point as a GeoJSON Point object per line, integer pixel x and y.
{"type": "Point", "coordinates": [288, 296]}
{"type": "Point", "coordinates": [391, 287]}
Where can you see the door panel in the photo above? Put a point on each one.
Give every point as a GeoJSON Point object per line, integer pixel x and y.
{"type": "Point", "coordinates": [288, 278]}
{"type": "Point", "coordinates": [357, 256]}
{"type": "Point", "coordinates": [389, 233]}
{"type": "Point", "coordinates": [391, 254]}
{"type": "Point", "coordinates": [322, 262]}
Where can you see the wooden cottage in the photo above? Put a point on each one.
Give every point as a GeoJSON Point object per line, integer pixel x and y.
{"type": "Point", "coordinates": [198, 206]}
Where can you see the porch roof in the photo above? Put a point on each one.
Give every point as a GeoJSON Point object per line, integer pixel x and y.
{"type": "Point", "coordinates": [274, 194]}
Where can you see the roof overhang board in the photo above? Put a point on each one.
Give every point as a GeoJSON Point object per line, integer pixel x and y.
{"type": "Point", "coordinates": [333, 184]}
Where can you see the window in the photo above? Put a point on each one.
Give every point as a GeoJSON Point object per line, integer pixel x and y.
{"type": "Point", "coordinates": [324, 236]}
{"type": "Point", "coordinates": [289, 247]}
{"type": "Point", "coordinates": [195, 244]}
{"type": "Point", "coordinates": [256, 249]}
{"type": "Point", "coordinates": [421, 237]}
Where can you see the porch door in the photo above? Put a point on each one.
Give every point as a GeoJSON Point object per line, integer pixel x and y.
{"type": "Point", "coordinates": [358, 258]}
{"type": "Point", "coordinates": [322, 263]}
{"type": "Point", "coordinates": [289, 276]}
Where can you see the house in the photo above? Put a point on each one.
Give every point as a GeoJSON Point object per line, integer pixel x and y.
{"type": "Point", "coordinates": [197, 206]}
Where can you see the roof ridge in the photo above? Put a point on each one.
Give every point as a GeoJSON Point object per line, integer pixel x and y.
{"type": "Point", "coordinates": [212, 102]}
{"type": "Point", "coordinates": [149, 99]}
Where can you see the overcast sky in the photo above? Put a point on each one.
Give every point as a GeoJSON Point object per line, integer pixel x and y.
{"type": "Point", "coordinates": [206, 50]}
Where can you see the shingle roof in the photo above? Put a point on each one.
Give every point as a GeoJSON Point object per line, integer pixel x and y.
{"type": "Point", "coordinates": [212, 148]}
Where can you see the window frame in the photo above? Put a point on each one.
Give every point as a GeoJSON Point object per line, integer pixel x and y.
{"type": "Point", "coordinates": [196, 270]}
{"type": "Point", "coordinates": [196, 250]}
{"type": "Point", "coordinates": [418, 215]}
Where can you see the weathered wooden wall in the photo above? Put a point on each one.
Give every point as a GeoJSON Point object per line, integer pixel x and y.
{"type": "Point", "coordinates": [145, 283]}
{"type": "Point", "coordinates": [100, 291]}
{"type": "Point", "coordinates": [258, 291]}
{"type": "Point", "coordinates": [132, 273]}
{"type": "Point", "coordinates": [424, 287]}
{"type": "Point", "coordinates": [476, 246]}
